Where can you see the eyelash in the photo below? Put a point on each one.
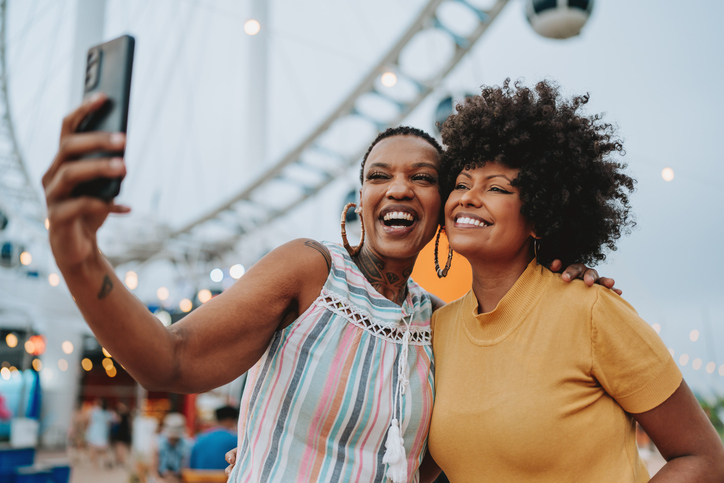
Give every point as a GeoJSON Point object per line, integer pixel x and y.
{"type": "Point", "coordinates": [461, 186]}
{"type": "Point", "coordinates": [423, 177]}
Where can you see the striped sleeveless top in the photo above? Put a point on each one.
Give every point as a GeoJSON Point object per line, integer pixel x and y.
{"type": "Point", "coordinates": [318, 404]}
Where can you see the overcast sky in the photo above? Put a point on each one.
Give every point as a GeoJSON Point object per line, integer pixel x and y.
{"type": "Point", "coordinates": [654, 67]}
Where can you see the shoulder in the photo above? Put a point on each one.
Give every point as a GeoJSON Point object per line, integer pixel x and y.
{"type": "Point", "coordinates": [450, 312]}
{"type": "Point", "coordinates": [302, 258]}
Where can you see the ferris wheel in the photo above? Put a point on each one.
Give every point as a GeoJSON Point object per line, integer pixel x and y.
{"type": "Point", "coordinates": [398, 57]}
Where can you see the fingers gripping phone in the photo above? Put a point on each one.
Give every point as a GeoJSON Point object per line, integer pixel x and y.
{"type": "Point", "coordinates": [108, 70]}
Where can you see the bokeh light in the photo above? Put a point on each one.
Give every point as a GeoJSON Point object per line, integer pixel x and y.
{"type": "Point", "coordinates": [53, 279]}
{"type": "Point", "coordinates": [112, 371]}
{"type": "Point", "coordinates": [5, 373]}
{"type": "Point", "coordinates": [37, 365]}
{"type": "Point", "coordinates": [131, 280]}
{"type": "Point", "coordinates": [162, 293]}
{"type": "Point", "coordinates": [67, 347]}
{"type": "Point", "coordinates": [236, 271]}
{"type": "Point", "coordinates": [47, 224]}
{"type": "Point", "coordinates": [105, 352]}
{"type": "Point", "coordinates": [26, 258]}
{"type": "Point", "coordinates": [711, 367]}
{"type": "Point", "coordinates": [667, 174]}
{"type": "Point", "coordinates": [164, 317]}
{"type": "Point", "coordinates": [106, 363]}
{"type": "Point", "coordinates": [388, 79]}
{"type": "Point", "coordinates": [684, 359]}
{"type": "Point", "coordinates": [657, 328]}
{"type": "Point", "coordinates": [696, 364]}
{"type": "Point", "coordinates": [86, 364]}
{"type": "Point", "coordinates": [694, 335]}
{"type": "Point", "coordinates": [216, 275]}
{"type": "Point", "coordinates": [62, 364]}
{"type": "Point", "coordinates": [185, 305]}
{"type": "Point", "coordinates": [204, 295]}
{"type": "Point", "coordinates": [11, 340]}
{"type": "Point", "coordinates": [252, 27]}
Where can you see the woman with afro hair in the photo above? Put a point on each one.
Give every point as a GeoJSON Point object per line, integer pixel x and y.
{"type": "Point", "coordinates": [536, 381]}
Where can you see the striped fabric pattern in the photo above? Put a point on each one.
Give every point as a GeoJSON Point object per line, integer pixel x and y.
{"type": "Point", "coordinates": [318, 404]}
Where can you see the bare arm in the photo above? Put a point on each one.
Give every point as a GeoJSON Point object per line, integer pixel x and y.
{"type": "Point", "coordinates": [685, 438]}
{"type": "Point", "coordinates": [588, 275]}
{"type": "Point", "coordinates": [429, 470]}
{"type": "Point", "coordinates": [209, 347]}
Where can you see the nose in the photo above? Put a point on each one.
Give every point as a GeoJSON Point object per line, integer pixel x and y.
{"type": "Point", "coordinates": [400, 189]}
{"type": "Point", "coordinates": [470, 198]}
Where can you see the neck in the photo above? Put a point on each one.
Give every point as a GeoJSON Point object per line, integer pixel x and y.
{"type": "Point", "coordinates": [388, 277]}
{"type": "Point", "coordinates": [492, 279]}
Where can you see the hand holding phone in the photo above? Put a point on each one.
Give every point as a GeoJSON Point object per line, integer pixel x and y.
{"type": "Point", "coordinates": [108, 71]}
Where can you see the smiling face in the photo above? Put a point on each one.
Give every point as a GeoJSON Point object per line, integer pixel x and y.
{"type": "Point", "coordinates": [483, 219]}
{"type": "Point", "coordinates": [400, 198]}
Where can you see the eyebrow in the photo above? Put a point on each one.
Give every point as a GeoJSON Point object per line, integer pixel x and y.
{"type": "Point", "coordinates": [379, 164]}
{"type": "Point", "coordinates": [463, 173]}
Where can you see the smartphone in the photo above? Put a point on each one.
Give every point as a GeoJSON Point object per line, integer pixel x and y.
{"type": "Point", "coordinates": [108, 70]}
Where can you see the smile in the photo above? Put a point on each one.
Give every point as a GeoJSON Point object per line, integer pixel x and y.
{"type": "Point", "coordinates": [470, 221]}
{"type": "Point", "coordinates": [398, 217]}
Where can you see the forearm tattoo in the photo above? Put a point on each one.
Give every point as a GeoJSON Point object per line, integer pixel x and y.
{"type": "Point", "coordinates": [322, 250]}
{"type": "Point", "coordinates": [105, 288]}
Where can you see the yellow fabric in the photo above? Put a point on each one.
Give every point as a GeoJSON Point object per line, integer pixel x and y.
{"type": "Point", "coordinates": [537, 390]}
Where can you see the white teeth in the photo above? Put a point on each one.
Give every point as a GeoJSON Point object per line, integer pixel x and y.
{"type": "Point", "coordinates": [469, 221]}
{"type": "Point", "coordinates": [398, 215]}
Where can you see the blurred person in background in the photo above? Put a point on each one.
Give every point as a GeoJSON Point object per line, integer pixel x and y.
{"type": "Point", "coordinates": [98, 431]}
{"type": "Point", "coordinates": [211, 445]}
{"type": "Point", "coordinates": [173, 449]}
{"type": "Point", "coordinates": [121, 434]}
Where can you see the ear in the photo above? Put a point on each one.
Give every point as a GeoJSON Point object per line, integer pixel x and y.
{"type": "Point", "coordinates": [359, 203]}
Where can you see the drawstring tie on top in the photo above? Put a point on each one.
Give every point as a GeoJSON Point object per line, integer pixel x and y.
{"type": "Point", "coordinates": [395, 456]}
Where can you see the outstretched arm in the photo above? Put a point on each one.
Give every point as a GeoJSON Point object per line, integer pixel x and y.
{"type": "Point", "coordinates": [685, 438]}
{"type": "Point", "coordinates": [588, 275]}
{"type": "Point", "coordinates": [212, 345]}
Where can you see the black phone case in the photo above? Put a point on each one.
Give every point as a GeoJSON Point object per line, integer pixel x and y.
{"type": "Point", "coordinates": [108, 70]}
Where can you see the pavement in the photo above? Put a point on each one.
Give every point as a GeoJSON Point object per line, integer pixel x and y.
{"type": "Point", "coordinates": [83, 470]}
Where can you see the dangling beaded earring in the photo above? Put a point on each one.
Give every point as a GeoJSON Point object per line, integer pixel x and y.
{"type": "Point", "coordinates": [442, 273]}
{"type": "Point", "coordinates": [353, 251]}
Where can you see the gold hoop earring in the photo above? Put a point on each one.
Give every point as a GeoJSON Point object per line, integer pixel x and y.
{"type": "Point", "coordinates": [442, 273]}
{"type": "Point", "coordinates": [353, 251]}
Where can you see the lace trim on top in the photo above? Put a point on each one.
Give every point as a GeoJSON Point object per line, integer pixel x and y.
{"type": "Point", "coordinates": [361, 318]}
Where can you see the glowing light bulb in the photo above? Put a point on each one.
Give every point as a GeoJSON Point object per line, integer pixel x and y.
{"type": "Point", "coordinates": [252, 27]}
{"type": "Point", "coordinates": [236, 271]}
{"type": "Point", "coordinates": [162, 293]}
{"type": "Point", "coordinates": [26, 258]}
{"type": "Point", "coordinates": [667, 174]}
{"type": "Point", "coordinates": [67, 347]}
{"type": "Point", "coordinates": [131, 280]}
{"type": "Point", "coordinates": [216, 275]}
{"type": "Point", "coordinates": [185, 305]}
{"type": "Point", "coordinates": [53, 279]}
{"type": "Point", "coordinates": [388, 79]}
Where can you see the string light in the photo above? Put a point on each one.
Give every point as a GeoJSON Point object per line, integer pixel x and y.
{"type": "Point", "coordinates": [86, 364]}
{"type": "Point", "coordinates": [252, 27]}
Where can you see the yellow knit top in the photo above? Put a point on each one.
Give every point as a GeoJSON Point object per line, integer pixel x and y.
{"type": "Point", "coordinates": [540, 389]}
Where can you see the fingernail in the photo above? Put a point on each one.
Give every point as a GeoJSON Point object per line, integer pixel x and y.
{"type": "Point", "coordinates": [116, 163]}
{"type": "Point", "coordinates": [117, 138]}
{"type": "Point", "coordinates": [95, 96]}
